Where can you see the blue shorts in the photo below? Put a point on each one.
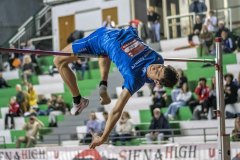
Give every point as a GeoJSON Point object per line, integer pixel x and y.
{"type": "Point", "coordinates": [89, 44]}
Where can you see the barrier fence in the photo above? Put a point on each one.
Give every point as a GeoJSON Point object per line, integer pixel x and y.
{"type": "Point", "coordinates": [109, 152]}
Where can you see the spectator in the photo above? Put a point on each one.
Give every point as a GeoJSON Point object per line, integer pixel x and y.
{"type": "Point", "coordinates": [58, 108]}
{"type": "Point", "coordinates": [81, 65]}
{"type": "Point", "coordinates": [202, 91]}
{"type": "Point", "coordinates": [125, 128]}
{"type": "Point", "coordinates": [206, 40]}
{"type": "Point", "coordinates": [211, 22]}
{"type": "Point", "coordinates": [22, 99]}
{"type": "Point", "coordinates": [196, 30]}
{"type": "Point", "coordinates": [158, 124]}
{"type": "Point", "coordinates": [221, 27]}
{"type": "Point", "coordinates": [12, 57]}
{"type": "Point", "coordinates": [212, 100]}
{"type": "Point", "coordinates": [159, 97]}
{"type": "Point", "coordinates": [27, 69]}
{"type": "Point", "coordinates": [12, 112]}
{"type": "Point", "coordinates": [31, 127]}
{"type": "Point", "coordinates": [197, 7]}
{"type": "Point", "coordinates": [113, 135]}
{"type": "Point", "coordinates": [228, 45]}
{"type": "Point", "coordinates": [238, 43]}
{"type": "Point", "coordinates": [109, 22]}
{"type": "Point", "coordinates": [237, 82]}
{"type": "Point", "coordinates": [237, 157]}
{"type": "Point", "coordinates": [3, 82]}
{"type": "Point", "coordinates": [230, 89]}
{"type": "Point", "coordinates": [154, 21]}
{"type": "Point", "coordinates": [141, 28]}
{"type": "Point", "coordinates": [182, 99]}
{"type": "Point", "coordinates": [236, 130]}
{"type": "Point", "coordinates": [93, 126]}
{"type": "Point", "coordinates": [181, 80]}
{"type": "Point", "coordinates": [32, 97]}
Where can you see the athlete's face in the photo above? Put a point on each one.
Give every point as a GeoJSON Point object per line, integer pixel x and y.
{"type": "Point", "coordinates": [156, 72]}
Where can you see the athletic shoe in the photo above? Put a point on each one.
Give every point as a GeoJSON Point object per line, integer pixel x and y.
{"type": "Point", "coordinates": [78, 108]}
{"type": "Point", "coordinates": [104, 97]}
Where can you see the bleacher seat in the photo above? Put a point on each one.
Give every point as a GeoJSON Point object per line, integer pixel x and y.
{"type": "Point", "coordinates": [46, 89]}
{"type": "Point", "coordinates": [171, 44]}
{"type": "Point", "coordinates": [47, 79]}
{"type": "Point", "coordinates": [233, 108]}
{"type": "Point", "coordinates": [234, 69]}
{"type": "Point", "coordinates": [238, 58]}
{"type": "Point", "coordinates": [81, 131]}
{"type": "Point", "coordinates": [7, 135]}
{"type": "Point", "coordinates": [145, 91]}
{"type": "Point", "coordinates": [9, 75]}
{"type": "Point", "coordinates": [133, 104]}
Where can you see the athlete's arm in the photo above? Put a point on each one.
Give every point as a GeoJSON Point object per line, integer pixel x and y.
{"type": "Point", "coordinates": [112, 119]}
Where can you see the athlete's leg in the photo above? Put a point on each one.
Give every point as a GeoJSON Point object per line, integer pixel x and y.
{"type": "Point", "coordinates": [66, 73]}
{"type": "Point", "coordinates": [69, 78]}
{"type": "Point", "coordinates": [104, 65]}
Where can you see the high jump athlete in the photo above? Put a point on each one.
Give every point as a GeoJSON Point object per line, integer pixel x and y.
{"type": "Point", "coordinates": [137, 63]}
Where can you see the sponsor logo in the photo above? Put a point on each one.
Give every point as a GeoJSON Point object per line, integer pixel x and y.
{"type": "Point", "coordinates": [89, 154]}
{"type": "Point", "coordinates": [133, 47]}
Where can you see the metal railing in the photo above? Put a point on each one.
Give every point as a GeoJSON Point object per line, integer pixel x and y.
{"type": "Point", "coordinates": [32, 27]}
{"type": "Point", "coordinates": [227, 19]}
{"type": "Point", "coordinates": [202, 134]}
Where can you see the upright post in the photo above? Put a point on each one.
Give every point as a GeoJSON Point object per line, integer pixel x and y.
{"type": "Point", "coordinates": [223, 139]}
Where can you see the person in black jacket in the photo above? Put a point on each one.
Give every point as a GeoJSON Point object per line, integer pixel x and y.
{"type": "Point", "coordinates": [230, 89]}
{"type": "Point", "coordinates": [196, 30]}
{"type": "Point", "coordinates": [154, 20]}
{"type": "Point", "coordinates": [158, 123]}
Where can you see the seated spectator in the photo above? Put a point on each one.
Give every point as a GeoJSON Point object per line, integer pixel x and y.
{"type": "Point", "coordinates": [202, 91]}
{"type": "Point", "coordinates": [196, 30]}
{"type": "Point", "coordinates": [27, 69]}
{"type": "Point", "coordinates": [211, 22]}
{"type": "Point", "coordinates": [206, 40]}
{"type": "Point", "coordinates": [182, 99]}
{"type": "Point", "coordinates": [3, 82]}
{"type": "Point", "coordinates": [59, 108]}
{"type": "Point", "coordinates": [13, 111]}
{"type": "Point", "coordinates": [237, 82]}
{"type": "Point", "coordinates": [31, 127]}
{"type": "Point", "coordinates": [22, 99]}
{"type": "Point", "coordinates": [52, 69]}
{"type": "Point", "coordinates": [230, 89]}
{"type": "Point", "coordinates": [33, 98]}
{"type": "Point", "coordinates": [228, 45]}
{"type": "Point", "coordinates": [93, 126]}
{"type": "Point", "coordinates": [221, 27]}
{"type": "Point", "coordinates": [211, 102]}
{"type": "Point", "coordinates": [81, 65]}
{"type": "Point", "coordinates": [125, 128]}
{"type": "Point", "coordinates": [159, 97]}
{"type": "Point", "coordinates": [158, 124]}
{"type": "Point", "coordinates": [182, 79]}
{"type": "Point", "coordinates": [236, 130]}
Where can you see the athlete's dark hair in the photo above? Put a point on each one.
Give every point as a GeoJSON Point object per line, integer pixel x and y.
{"type": "Point", "coordinates": [170, 77]}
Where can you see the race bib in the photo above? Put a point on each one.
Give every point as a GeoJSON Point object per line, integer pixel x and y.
{"type": "Point", "coordinates": [133, 47]}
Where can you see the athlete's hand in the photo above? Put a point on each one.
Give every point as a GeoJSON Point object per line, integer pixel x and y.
{"type": "Point", "coordinates": [96, 141]}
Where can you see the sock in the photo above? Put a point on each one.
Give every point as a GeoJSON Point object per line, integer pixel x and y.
{"type": "Point", "coordinates": [105, 83]}
{"type": "Point", "coordinates": [77, 99]}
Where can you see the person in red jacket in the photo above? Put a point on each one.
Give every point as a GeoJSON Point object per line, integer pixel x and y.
{"type": "Point", "coordinates": [13, 112]}
{"type": "Point", "coordinates": [203, 91]}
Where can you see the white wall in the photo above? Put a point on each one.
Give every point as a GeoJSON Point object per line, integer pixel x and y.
{"type": "Point", "coordinates": [90, 19]}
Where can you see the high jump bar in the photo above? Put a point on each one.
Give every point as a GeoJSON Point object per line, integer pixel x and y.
{"type": "Point", "coordinates": [42, 52]}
